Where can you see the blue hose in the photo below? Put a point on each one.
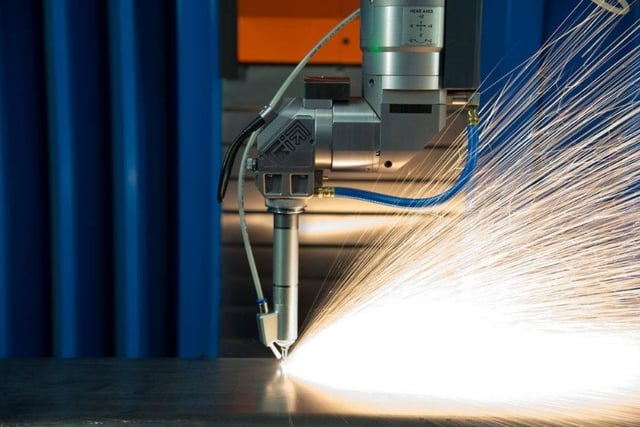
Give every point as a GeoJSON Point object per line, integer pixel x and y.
{"type": "Point", "coordinates": [402, 202]}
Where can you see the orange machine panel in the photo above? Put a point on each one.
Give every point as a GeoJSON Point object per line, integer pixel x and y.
{"type": "Point", "coordinates": [283, 31]}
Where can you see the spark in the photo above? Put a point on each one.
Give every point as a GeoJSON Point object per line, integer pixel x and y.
{"type": "Point", "coordinates": [527, 303]}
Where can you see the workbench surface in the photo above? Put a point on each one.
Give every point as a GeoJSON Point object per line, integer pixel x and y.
{"type": "Point", "coordinates": [229, 392]}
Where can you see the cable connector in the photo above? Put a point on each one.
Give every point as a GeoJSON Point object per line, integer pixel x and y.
{"type": "Point", "coordinates": [263, 306]}
{"type": "Point", "coordinates": [325, 192]}
{"type": "Point", "coordinates": [268, 114]}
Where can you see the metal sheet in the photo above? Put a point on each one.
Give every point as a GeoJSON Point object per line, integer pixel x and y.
{"type": "Point", "coordinates": [230, 392]}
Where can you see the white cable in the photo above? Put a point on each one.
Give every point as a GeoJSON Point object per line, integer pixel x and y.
{"type": "Point", "coordinates": [245, 154]}
{"type": "Point", "coordinates": [280, 93]}
{"type": "Point", "coordinates": [243, 219]}
{"type": "Point", "coordinates": [621, 9]}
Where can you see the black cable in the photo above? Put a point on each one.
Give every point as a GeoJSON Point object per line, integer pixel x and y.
{"type": "Point", "coordinates": [232, 153]}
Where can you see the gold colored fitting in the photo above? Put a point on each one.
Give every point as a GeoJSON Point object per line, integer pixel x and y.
{"type": "Point", "coordinates": [325, 192]}
{"type": "Point", "coordinates": [472, 116]}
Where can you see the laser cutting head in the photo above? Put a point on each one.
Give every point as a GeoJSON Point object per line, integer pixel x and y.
{"type": "Point", "coordinates": [418, 57]}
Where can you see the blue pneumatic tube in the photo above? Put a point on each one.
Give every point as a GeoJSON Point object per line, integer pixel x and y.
{"type": "Point", "coordinates": [403, 202]}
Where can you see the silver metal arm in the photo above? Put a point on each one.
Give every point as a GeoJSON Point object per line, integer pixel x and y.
{"type": "Point", "coordinates": [418, 57]}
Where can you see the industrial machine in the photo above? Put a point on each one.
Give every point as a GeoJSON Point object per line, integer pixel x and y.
{"type": "Point", "coordinates": [418, 57]}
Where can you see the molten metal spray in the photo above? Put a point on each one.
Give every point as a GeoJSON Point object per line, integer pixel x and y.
{"type": "Point", "coordinates": [528, 303]}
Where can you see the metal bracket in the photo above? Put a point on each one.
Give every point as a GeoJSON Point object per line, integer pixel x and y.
{"type": "Point", "coordinates": [268, 330]}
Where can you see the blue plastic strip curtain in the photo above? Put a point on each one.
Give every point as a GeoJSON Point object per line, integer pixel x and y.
{"type": "Point", "coordinates": [4, 274]}
{"type": "Point", "coordinates": [132, 290]}
{"type": "Point", "coordinates": [141, 111]}
{"type": "Point", "coordinates": [80, 212]}
{"type": "Point", "coordinates": [4, 236]}
{"type": "Point", "coordinates": [109, 229]}
{"type": "Point", "coordinates": [199, 123]}
{"type": "Point", "coordinates": [25, 290]}
{"type": "Point", "coordinates": [64, 249]}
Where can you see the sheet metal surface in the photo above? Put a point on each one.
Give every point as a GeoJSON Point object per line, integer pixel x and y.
{"type": "Point", "coordinates": [229, 392]}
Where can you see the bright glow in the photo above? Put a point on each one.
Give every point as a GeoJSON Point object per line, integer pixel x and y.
{"type": "Point", "coordinates": [335, 226]}
{"type": "Point", "coordinates": [529, 301]}
{"type": "Point", "coordinates": [462, 351]}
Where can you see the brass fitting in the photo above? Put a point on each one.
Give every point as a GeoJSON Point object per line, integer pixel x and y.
{"type": "Point", "coordinates": [472, 116]}
{"type": "Point", "coordinates": [325, 192]}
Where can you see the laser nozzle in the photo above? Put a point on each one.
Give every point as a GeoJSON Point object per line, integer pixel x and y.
{"type": "Point", "coordinates": [284, 352]}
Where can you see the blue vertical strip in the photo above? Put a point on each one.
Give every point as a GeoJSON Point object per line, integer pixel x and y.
{"type": "Point", "coordinates": [154, 23]}
{"type": "Point", "coordinates": [63, 191]}
{"type": "Point", "coordinates": [93, 183]}
{"type": "Point", "coordinates": [131, 304]}
{"type": "Point", "coordinates": [24, 267]}
{"type": "Point", "coordinates": [198, 131]}
{"type": "Point", "coordinates": [78, 172]}
{"type": "Point", "coordinates": [4, 237]}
